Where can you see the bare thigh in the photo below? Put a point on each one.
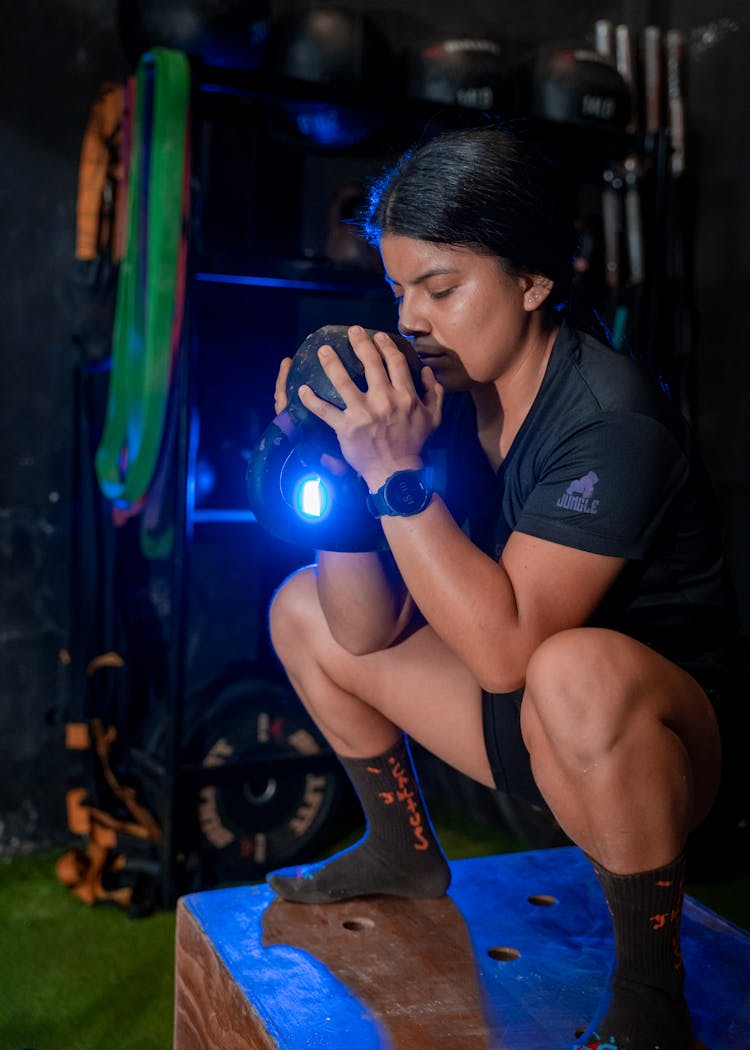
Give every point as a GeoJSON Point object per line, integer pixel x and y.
{"type": "Point", "coordinates": [417, 683]}
{"type": "Point", "coordinates": [595, 689]}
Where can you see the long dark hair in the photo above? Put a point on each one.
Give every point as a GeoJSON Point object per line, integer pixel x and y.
{"type": "Point", "coordinates": [487, 189]}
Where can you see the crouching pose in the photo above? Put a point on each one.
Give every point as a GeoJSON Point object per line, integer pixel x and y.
{"type": "Point", "coordinates": [554, 643]}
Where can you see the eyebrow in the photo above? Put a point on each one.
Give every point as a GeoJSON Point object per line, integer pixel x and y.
{"type": "Point", "coordinates": [437, 271]}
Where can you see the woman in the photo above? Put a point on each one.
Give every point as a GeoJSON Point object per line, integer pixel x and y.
{"type": "Point", "coordinates": [539, 645]}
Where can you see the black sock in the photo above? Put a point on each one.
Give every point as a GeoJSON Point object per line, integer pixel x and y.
{"type": "Point", "coordinates": [644, 1007]}
{"type": "Point", "coordinates": [399, 854]}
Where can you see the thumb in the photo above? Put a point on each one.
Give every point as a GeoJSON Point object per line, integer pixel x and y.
{"type": "Point", "coordinates": [433, 394]}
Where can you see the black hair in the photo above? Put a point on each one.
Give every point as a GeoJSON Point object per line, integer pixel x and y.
{"type": "Point", "coordinates": [485, 188]}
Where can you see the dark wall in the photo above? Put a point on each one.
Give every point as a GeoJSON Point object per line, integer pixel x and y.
{"type": "Point", "coordinates": [53, 59]}
{"type": "Point", "coordinates": [719, 212]}
{"type": "Point", "coordinates": [54, 55]}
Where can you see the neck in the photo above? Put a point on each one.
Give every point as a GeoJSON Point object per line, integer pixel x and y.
{"type": "Point", "coordinates": [502, 406]}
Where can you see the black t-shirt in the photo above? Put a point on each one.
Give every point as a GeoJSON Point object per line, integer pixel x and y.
{"type": "Point", "coordinates": [604, 463]}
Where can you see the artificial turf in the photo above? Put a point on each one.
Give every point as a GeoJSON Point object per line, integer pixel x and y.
{"type": "Point", "coordinates": [79, 978]}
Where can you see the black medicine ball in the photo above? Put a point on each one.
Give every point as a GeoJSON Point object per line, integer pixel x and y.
{"type": "Point", "coordinates": [465, 72]}
{"type": "Point", "coordinates": [337, 49]}
{"type": "Point", "coordinates": [577, 86]}
{"type": "Point", "coordinates": [228, 33]}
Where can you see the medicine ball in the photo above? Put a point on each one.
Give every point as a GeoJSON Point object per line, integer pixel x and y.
{"type": "Point", "coordinates": [345, 53]}
{"type": "Point", "coordinates": [306, 369]}
{"type": "Point", "coordinates": [576, 86]}
{"type": "Point", "coordinates": [468, 72]}
{"type": "Point", "coordinates": [227, 33]}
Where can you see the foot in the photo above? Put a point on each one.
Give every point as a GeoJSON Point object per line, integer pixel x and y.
{"type": "Point", "coordinates": [362, 872]}
{"type": "Point", "coordinates": [635, 1016]}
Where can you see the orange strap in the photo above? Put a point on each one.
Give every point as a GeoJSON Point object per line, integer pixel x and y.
{"type": "Point", "coordinates": [84, 874]}
{"type": "Point", "coordinates": [98, 173]}
{"type": "Point", "coordinates": [110, 659]}
{"type": "Point", "coordinates": [148, 828]}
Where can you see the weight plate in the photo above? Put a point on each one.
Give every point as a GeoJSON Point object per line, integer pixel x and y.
{"type": "Point", "coordinates": [257, 801]}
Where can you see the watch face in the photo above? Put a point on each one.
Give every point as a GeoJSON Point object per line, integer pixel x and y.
{"type": "Point", "coordinates": [405, 493]}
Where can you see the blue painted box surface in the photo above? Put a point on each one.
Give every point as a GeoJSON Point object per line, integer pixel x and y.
{"type": "Point", "coordinates": [527, 934]}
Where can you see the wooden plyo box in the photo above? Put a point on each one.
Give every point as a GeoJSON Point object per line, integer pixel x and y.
{"type": "Point", "coordinates": [514, 957]}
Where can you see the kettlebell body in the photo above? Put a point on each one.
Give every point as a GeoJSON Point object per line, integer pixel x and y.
{"type": "Point", "coordinates": [288, 456]}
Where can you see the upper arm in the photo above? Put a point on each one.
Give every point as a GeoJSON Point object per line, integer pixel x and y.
{"type": "Point", "coordinates": [601, 501]}
{"type": "Point", "coordinates": [608, 488]}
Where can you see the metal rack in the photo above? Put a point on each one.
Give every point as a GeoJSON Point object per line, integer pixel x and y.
{"type": "Point", "coordinates": [222, 94]}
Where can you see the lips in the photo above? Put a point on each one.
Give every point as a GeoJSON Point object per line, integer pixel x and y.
{"type": "Point", "coordinates": [426, 354]}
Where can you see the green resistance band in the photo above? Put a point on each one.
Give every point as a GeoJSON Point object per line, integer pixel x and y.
{"type": "Point", "coordinates": [142, 338]}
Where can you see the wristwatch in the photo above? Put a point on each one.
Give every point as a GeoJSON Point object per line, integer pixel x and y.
{"type": "Point", "coordinates": [402, 494]}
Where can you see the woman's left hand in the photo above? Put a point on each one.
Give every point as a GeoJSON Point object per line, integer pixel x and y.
{"type": "Point", "coordinates": [384, 428]}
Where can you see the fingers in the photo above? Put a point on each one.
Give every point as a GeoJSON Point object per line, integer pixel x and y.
{"type": "Point", "coordinates": [318, 406]}
{"type": "Point", "coordinates": [337, 373]}
{"type": "Point", "coordinates": [433, 395]}
{"type": "Point", "coordinates": [341, 380]}
{"type": "Point", "coordinates": [398, 374]}
{"type": "Point", "coordinates": [386, 369]}
{"type": "Point", "coordinates": [280, 400]}
{"type": "Point", "coordinates": [384, 363]}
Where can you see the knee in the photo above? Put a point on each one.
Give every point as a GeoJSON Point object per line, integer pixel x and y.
{"type": "Point", "coordinates": [291, 613]}
{"type": "Point", "coordinates": [579, 693]}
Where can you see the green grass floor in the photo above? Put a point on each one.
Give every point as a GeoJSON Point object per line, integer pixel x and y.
{"type": "Point", "coordinates": [79, 978]}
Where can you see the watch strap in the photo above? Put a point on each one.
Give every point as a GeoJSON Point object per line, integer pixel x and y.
{"type": "Point", "coordinates": [404, 493]}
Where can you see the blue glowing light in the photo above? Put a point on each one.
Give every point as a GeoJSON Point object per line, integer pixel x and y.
{"type": "Point", "coordinates": [311, 499]}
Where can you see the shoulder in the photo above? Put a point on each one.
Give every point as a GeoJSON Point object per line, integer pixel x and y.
{"type": "Point", "coordinates": [603, 458]}
{"type": "Point", "coordinates": [614, 381]}
{"type": "Point", "coordinates": [591, 382]}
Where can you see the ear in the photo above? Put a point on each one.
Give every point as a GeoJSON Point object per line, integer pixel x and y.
{"type": "Point", "coordinates": [536, 289]}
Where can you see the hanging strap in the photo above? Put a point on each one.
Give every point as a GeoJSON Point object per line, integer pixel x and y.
{"type": "Point", "coordinates": [98, 171]}
{"type": "Point", "coordinates": [148, 286]}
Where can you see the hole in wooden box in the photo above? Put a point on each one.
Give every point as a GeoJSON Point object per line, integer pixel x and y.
{"type": "Point", "coordinates": [504, 954]}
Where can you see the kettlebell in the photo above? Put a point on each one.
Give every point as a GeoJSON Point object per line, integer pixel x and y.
{"type": "Point", "coordinates": [289, 451]}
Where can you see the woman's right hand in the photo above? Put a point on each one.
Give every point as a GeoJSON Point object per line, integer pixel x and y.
{"type": "Point", "coordinates": [280, 399]}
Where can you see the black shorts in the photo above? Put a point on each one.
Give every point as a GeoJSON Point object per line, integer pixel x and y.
{"type": "Point", "coordinates": [506, 751]}
{"type": "Point", "coordinates": [724, 675]}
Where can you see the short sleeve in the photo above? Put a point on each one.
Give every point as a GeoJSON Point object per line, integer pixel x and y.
{"type": "Point", "coordinates": [608, 487]}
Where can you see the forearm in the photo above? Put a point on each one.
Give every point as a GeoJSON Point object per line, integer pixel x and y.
{"type": "Point", "coordinates": [465, 596]}
{"type": "Point", "coordinates": [363, 598]}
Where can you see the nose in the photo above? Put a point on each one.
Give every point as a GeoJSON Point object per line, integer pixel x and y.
{"type": "Point", "coordinates": [411, 323]}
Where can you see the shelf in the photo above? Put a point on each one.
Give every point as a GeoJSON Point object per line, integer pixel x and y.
{"type": "Point", "coordinates": [223, 516]}
{"type": "Point", "coordinates": [301, 275]}
{"type": "Point", "coordinates": [300, 284]}
{"type": "Point", "coordinates": [247, 84]}
{"type": "Point", "coordinates": [407, 116]}
{"type": "Point", "coordinates": [259, 196]}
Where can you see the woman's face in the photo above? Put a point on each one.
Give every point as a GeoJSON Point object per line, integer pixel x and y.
{"type": "Point", "coordinates": [465, 314]}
